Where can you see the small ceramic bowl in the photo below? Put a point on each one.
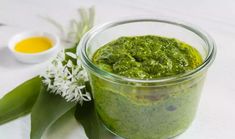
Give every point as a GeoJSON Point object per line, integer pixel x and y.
{"type": "Point", "coordinates": [35, 57]}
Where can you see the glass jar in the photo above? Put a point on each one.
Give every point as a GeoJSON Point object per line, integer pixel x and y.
{"type": "Point", "coordinates": [146, 109]}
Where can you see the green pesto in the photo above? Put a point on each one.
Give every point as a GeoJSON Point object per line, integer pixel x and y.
{"type": "Point", "coordinates": [147, 57]}
{"type": "Point", "coordinates": [141, 111]}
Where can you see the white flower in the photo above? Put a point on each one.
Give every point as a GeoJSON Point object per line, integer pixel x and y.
{"type": "Point", "coordinates": [67, 79]}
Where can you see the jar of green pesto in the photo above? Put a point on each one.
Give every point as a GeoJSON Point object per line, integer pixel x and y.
{"type": "Point", "coordinates": [146, 75]}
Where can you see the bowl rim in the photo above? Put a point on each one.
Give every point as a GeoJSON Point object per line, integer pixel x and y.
{"type": "Point", "coordinates": [86, 61]}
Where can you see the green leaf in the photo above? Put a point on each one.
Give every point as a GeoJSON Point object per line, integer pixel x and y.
{"type": "Point", "coordinates": [63, 127]}
{"type": "Point", "coordinates": [87, 116]}
{"type": "Point", "coordinates": [47, 109]}
{"type": "Point", "coordinates": [20, 100]}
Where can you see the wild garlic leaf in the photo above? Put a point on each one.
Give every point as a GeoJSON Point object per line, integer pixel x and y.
{"type": "Point", "coordinates": [87, 116]}
{"type": "Point", "coordinates": [47, 109]}
{"type": "Point", "coordinates": [20, 100]}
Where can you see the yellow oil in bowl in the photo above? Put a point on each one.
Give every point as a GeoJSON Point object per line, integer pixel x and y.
{"type": "Point", "coordinates": [33, 45]}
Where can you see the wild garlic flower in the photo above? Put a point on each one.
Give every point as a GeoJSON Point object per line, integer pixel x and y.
{"type": "Point", "coordinates": [64, 77]}
{"type": "Point", "coordinates": [67, 79]}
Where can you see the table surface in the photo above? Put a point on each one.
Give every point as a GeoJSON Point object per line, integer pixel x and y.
{"type": "Point", "coordinates": [216, 113]}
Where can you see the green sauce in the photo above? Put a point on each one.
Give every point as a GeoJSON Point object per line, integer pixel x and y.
{"type": "Point", "coordinates": [142, 111]}
{"type": "Point", "coordinates": [147, 57]}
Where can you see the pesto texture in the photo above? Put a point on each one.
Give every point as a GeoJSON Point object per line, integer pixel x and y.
{"type": "Point", "coordinates": [147, 57]}
{"type": "Point", "coordinates": [143, 111]}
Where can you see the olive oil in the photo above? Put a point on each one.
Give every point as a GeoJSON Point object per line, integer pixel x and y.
{"type": "Point", "coordinates": [33, 45]}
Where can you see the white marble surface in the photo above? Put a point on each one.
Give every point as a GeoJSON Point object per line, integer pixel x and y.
{"type": "Point", "coordinates": [215, 118]}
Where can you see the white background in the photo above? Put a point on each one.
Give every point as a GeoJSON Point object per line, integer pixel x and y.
{"type": "Point", "coordinates": [216, 114]}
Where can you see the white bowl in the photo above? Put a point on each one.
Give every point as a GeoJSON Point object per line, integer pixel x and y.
{"type": "Point", "coordinates": [35, 57]}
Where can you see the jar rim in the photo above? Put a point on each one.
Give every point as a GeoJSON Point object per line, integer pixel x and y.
{"type": "Point", "coordinates": [87, 62]}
